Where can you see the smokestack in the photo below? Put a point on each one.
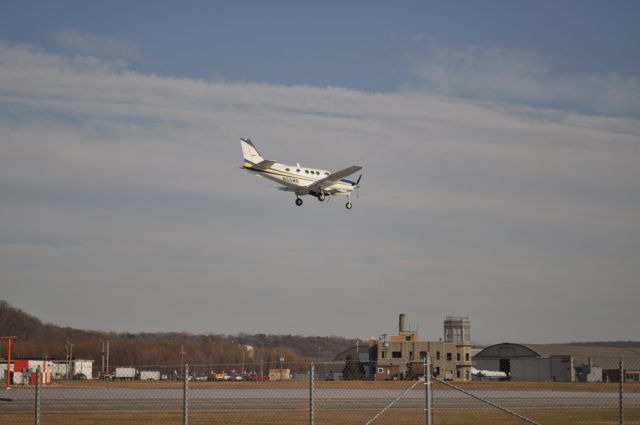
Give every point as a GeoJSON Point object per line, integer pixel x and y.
{"type": "Point", "coordinates": [402, 325]}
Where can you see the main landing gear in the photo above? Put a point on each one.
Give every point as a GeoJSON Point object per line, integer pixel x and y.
{"type": "Point", "coordinates": [349, 204]}
{"type": "Point", "coordinates": [321, 197]}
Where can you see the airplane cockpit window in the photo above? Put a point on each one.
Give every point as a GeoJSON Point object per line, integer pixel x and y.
{"type": "Point", "coordinates": [326, 174]}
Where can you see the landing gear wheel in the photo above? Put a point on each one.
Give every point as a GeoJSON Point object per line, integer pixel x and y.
{"type": "Point", "coordinates": [321, 197]}
{"type": "Point", "coordinates": [349, 205]}
{"type": "Point", "coordinates": [298, 201]}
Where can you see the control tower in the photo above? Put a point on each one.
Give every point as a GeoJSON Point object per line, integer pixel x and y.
{"type": "Point", "coordinates": [457, 330]}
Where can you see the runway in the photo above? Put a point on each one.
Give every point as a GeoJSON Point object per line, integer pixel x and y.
{"type": "Point", "coordinates": [91, 398]}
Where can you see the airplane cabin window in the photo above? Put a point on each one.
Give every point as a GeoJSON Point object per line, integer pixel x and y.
{"type": "Point", "coordinates": [298, 170]}
{"type": "Point", "coordinates": [306, 171]}
{"type": "Point", "coordinates": [286, 169]}
{"type": "Point", "coordinates": [318, 172]}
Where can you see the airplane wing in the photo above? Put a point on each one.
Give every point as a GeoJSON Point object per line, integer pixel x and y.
{"type": "Point", "coordinates": [329, 180]}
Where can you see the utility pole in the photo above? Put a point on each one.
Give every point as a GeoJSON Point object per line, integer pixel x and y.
{"type": "Point", "coordinates": [102, 357]}
{"type": "Point", "coordinates": [182, 353]}
{"type": "Point", "coordinates": [8, 339]}
{"type": "Point", "coordinates": [428, 410]}
{"type": "Point", "coordinates": [281, 361]}
{"type": "Point", "coordinates": [107, 357]}
{"type": "Point", "coordinates": [71, 360]}
{"type": "Point", "coordinates": [261, 368]}
{"type": "Point", "coordinates": [67, 343]}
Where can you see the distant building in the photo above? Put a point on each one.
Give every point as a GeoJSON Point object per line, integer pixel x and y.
{"type": "Point", "coordinates": [63, 369]}
{"type": "Point", "coordinates": [23, 371]}
{"type": "Point", "coordinates": [521, 363]}
{"type": "Point", "coordinates": [51, 369]}
{"type": "Point", "coordinates": [277, 374]}
{"type": "Point", "coordinates": [556, 362]}
{"type": "Point", "coordinates": [402, 356]}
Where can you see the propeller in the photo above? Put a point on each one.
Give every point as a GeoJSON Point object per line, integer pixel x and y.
{"type": "Point", "coordinates": [356, 186]}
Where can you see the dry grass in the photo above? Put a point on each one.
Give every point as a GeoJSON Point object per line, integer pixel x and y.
{"type": "Point", "coordinates": [290, 413]}
{"type": "Point", "coordinates": [291, 417]}
{"type": "Point", "coordinates": [598, 387]}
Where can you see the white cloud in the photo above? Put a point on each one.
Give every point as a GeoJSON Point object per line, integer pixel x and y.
{"type": "Point", "coordinates": [120, 185]}
{"type": "Point", "coordinates": [93, 45]}
{"type": "Point", "coordinates": [514, 76]}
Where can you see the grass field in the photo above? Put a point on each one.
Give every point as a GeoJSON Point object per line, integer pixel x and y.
{"type": "Point", "coordinates": [597, 387]}
{"type": "Point", "coordinates": [337, 408]}
{"type": "Point", "coordinates": [291, 417]}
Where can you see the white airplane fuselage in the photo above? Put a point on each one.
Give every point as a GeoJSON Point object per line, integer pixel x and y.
{"type": "Point", "coordinates": [295, 176]}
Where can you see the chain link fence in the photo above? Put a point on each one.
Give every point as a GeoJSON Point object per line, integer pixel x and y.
{"type": "Point", "coordinates": [343, 392]}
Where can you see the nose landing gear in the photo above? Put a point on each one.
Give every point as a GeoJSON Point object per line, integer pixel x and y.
{"type": "Point", "coordinates": [298, 201]}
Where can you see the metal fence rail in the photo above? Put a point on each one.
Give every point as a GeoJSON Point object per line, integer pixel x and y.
{"type": "Point", "coordinates": [317, 394]}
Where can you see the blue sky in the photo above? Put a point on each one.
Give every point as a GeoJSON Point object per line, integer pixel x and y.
{"type": "Point", "coordinates": [369, 46]}
{"type": "Point", "coordinates": [500, 143]}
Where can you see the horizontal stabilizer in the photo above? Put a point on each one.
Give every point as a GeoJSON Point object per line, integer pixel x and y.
{"type": "Point", "coordinates": [264, 164]}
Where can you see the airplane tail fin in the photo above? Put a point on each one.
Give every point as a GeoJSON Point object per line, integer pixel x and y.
{"type": "Point", "coordinates": [250, 153]}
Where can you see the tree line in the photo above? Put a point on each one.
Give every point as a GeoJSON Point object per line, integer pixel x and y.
{"type": "Point", "coordinates": [39, 340]}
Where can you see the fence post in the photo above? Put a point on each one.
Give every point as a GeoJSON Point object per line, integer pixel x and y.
{"type": "Point", "coordinates": [621, 404]}
{"type": "Point", "coordinates": [38, 379]}
{"type": "Point", "coordinates": [185, 398]}
{"type": "Point", "coordinates": [311, 394]}
{"type": "Point", "coordinates": [427, 390]}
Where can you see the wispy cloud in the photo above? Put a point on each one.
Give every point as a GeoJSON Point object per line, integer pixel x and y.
{"type": "Point", "coordinates": [497, 74]}
{"type": "Point", "coordinates": [93, 45]}
{"type": "Point", "coordinates": [124, 187]}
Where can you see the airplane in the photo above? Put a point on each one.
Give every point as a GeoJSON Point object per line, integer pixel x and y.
{"type": "Point", "coordinates": [301, 180]}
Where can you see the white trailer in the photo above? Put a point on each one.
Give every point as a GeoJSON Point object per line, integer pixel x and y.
{"type": "Point", "coordinates": [125, 373]}
{"type": "Point", "coordinates": [149, 375]}
{"type": "Point", "coordinates": [84, 367]}
{"type": "Point", "coordinates": [59, 369]}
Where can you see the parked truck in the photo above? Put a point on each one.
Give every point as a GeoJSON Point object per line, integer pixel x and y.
{"type": "Point", "coordinates": [149, 375]}
{"type": "Point", "coordinates": [125, 373]}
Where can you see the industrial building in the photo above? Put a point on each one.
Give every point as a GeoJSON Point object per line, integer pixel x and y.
{"type": "Point", "coordinates": [23, 370]}
{"type": "Point", "coordinates": [556, 362]}
{"type": "Point", "coordinates": [402, 356]}
{"type": "Point", "coordinates": [78, 366]}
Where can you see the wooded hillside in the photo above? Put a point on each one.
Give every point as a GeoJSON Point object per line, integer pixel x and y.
{"type": "Point", "coordinates": [37, 339]}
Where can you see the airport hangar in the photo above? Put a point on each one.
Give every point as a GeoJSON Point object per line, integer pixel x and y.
{"type": "Point", "coordinates": [559, 362]}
